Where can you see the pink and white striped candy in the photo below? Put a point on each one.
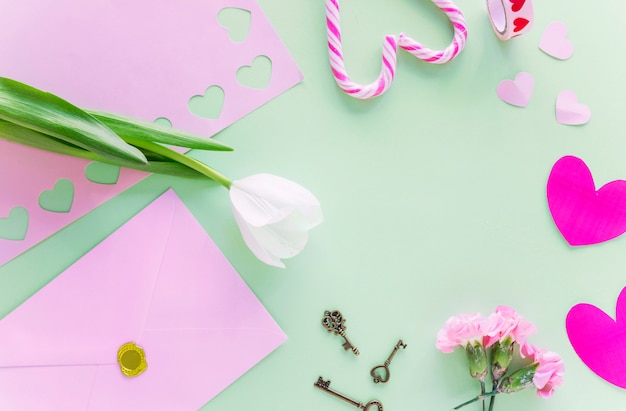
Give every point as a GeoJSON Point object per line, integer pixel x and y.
{"type": "Point", "coordinates": [390, 46]}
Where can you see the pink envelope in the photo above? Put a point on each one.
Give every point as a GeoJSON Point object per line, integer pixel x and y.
{"type": "Point", "coordinates": [160, 282]}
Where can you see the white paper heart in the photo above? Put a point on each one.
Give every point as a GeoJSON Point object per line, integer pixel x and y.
{"type": "Point", "coordinates": [517, 92]}
{"type": "Point", "coordinates": [554, 41]}
{"type": "Point", "coordinates": [569, 111]}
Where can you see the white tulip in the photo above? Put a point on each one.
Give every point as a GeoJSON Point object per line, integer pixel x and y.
{"type": "Point", "coordinates": [274, 216]}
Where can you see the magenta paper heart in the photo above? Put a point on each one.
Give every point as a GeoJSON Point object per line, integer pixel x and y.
{"type": "Point", "coordinates": [554, 41]}
{"type": "Point", "coordinates": [516, 92]}
{"type": "Point", "coordinates": [600, 341]}
{"type": "Point", "coordinates": [569, 111]}
{"type": "Point", "coordinates": [583, 215]}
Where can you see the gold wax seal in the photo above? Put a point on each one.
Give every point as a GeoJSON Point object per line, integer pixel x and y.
{"type": "Point", "coordinates": [132, 359]}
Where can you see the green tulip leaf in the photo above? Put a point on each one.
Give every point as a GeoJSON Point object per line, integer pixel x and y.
{"type": "Point", "coordinates": [51, 115]}
{"type": "Point", "coordinates": [157, 133]}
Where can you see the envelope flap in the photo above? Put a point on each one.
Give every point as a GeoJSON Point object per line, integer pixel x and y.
{"type": "Point", "coordinates": [97, 304]}
{"type": "Point", "coordinates": [198, 287]}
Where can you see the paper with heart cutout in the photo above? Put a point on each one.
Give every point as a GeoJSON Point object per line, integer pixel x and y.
{"type": "Point", "coordinates": [582, 214]}
{"type": "Point", "coordinates": [569, 111]}
{"type": "Point", "coordinates": [140, 58]}
{"type": "Point", "coordinates": [599, 340]}
{"type": "Point", "coordinates": [518, 91]}
{"type": "Point", "coordinates": [554, 41]}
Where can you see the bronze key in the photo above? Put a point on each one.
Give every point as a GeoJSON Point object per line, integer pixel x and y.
{"type": "Point", "coordinates": [325, 386]}
{"type": "Point", "coordinates": [333, 321]}
{"type": "Point", "coordinates": [381, 373]}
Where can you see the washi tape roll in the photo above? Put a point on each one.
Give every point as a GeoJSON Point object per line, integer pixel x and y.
{"type": "Point", "coordinates": [510, 18]}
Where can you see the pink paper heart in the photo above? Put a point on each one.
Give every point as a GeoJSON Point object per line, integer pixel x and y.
{"type": "Point", "coordinates": [517, 92]}
{"type": "Point", "coordinates": [600, 341]}
{"type": "Point", "coordinates": [583, 215]}
{"type": "Point", "coordinates": [554, 41]}
{"type": "Point", "coordinates": [569, 111]}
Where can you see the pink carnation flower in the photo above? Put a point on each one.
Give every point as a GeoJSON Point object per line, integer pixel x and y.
{"type": "Point", "coordinates": [460, 330]}
{"type": "Point", "coordinates": [506, 322]}
{"type": "Point", "coordinates": [549, 374]}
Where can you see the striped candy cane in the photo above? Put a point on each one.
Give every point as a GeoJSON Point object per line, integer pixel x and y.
{"type": "Point", "coordinates": [390, 46]}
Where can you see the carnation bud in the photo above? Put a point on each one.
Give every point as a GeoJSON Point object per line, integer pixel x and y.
{"type": "Point", "coordinates": [519, 380]}
{"type": "Point", "coordinates": [477, 358]}
{"type": "Point", "coordinates": [501, 356]}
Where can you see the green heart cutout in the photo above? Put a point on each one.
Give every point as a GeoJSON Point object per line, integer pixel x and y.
{"type": "Point", "coordinates": [15, 226]}
{"type": "Point", "coordinates": [162, 121]}
{"type": "Point", "coordinates": [236, 21]}
{"type": "Point", "coordinates": [102, 173]}
{"type": "Point", "coordinates": [208, 105]}
{"type": "Point", "coordinates": [59, 199]}
{"type": "Point", "coordinates": [257, 75]}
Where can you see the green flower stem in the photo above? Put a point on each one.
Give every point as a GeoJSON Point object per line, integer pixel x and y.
{"type": "Point", "coordinates": [482, 392]}
{"type": "Point", "coordinates": [492, 400]}
{"type": "Point", "coordinates": [182, 159]}
{"type": "Point", "coordinates": [478, 398]}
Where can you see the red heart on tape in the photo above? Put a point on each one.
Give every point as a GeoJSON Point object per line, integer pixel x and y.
{"type": "Point", "coordinates": [517, 5]}
{"type": "Point", "coordinates": [519, 24]}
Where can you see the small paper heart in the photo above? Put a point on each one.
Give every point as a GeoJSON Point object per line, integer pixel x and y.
{"type": "Point", "coordinates": [569, 111]}
{"type": "Point", "coordinates": [584, 215]}
{"type": "Point", "coordinates": [517, 92]}
{"type": "Point", "coordinates": [236, 21]}
{"type": "Point", "coordinates": [519, 24]}
{"type": "Point", "coordinates": [15, 226]}
{"type": "Point", "coordinates": [60, 198]}
{"type": "Point", "coordinates": [209, 104]}
{"type": "Point", "coordinates": [257, 75]}
{"type": "Point", "coordinates": [600, 341]}
{"type": "Point", "coordinates": [554, 41]}
{"type": "Point", "coordinates": [517, 5]}
{"type": "Point", "coordinates": [102, 173]}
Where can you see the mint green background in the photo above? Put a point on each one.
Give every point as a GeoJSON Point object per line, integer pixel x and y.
{"type": "Point", "coordinates": [434, 203]}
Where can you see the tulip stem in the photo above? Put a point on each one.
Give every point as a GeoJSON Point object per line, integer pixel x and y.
{"type": "Point", "coordinates": [182, 159]}
{"type": "Point", "coordinates": [477, 398]}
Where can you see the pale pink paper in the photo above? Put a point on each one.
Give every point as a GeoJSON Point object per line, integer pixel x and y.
{"type": "Point", "coordinates": [518, 91]}
{"type": "Point", "coordinates": [140, 58]}
{"type": "Point", "coordinates": [583, 214]}
{"type": "Point", "coordinates": [554, 41]}
{"type": "Point", "coordinates": [158, 281]}
{"type": "Point", "coordinates": [569, 111]}
{"type": "Point", "coordinates": [599, 340]}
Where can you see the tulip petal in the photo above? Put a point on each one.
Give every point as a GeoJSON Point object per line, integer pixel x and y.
{"type": "Point", "coordinates": [280, 240]}
{"type": "Point", "coordinates": [264, 199]}
{"type": "Point", "coordinates": [253, 244]}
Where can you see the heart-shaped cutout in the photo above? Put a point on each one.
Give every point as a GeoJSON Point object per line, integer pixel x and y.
{"type": "Point", "coordinates": [257, 75]}
{"type": "Point", "coordinates": [554, 41]}
{"type": "Point", "coordinates": [60, 198]}
{"type": "Point", "coordinates": [569, 111]}
{"type": "Point", "coordinates": [600, 341]}
{"type": "Point", "coordinates": [102, 173]}
{"type": "Point", "coordinates": [162, 121]}
{"type": "Point", "coordinates": [236, 21]}
{"type": "Point", "coordinates": [519, 24]}
{"type": "Point", "coordinates": [517, 92]}
{"type": "Point", "coordinates": [517, 5]}
{"type": "Point", "coordinates": [15, 226]}
{"type": "Point", "coordinates": [583, 215]}
{"type": "Point", "coordinates": [380, 374]}
{"type": "Point", "coordinates": [209, 104]}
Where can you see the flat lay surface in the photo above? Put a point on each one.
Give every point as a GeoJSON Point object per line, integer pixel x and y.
{"type": "Point", "coordinates": [434, 197]}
